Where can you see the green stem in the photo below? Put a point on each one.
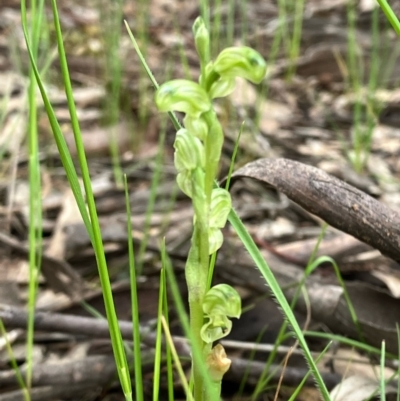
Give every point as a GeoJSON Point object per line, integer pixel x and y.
{"type": "Point", "coordinates": [196, 279]}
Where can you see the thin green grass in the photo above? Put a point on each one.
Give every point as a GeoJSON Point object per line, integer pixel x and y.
{"type": "Point", "coordinates": [111, 16]}
{"type": "Point", "coordinates": [390, 15]}
{"type": "Point", "coordinates": [303, 381]}
{"type": "Point", "coordinates": [35, 195]}
{"type": "Point", "coordinates": [14, 364]}
{"type": "Point", "coordinates": [90, 219]}
{"type": "Point", "coordinates": [294, 48]}
{"type": "Point", "coordinates": [366, 107]}
{"type": "Point", "coordinates": [277, 292]}
{"type": "Point", "coordinates": [382, 381]}
{"type": "Point", "coordinates": [169, 361]}
{"type": "Point", "coordinates": [143, 23]}
{"type": "Point", "coordinates": [137, 367]}
{"type": "Point", "coordinates": [266, 375]}
{"type": "Point", "coordinates": [155, 182]}
{"type": "Point", "coordinates": [398, 358]}
{"type": "Point", "coordinates": [178, 364]}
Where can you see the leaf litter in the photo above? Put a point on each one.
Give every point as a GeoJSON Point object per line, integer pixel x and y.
{"type": "Point", "coordinates": [292, 125]}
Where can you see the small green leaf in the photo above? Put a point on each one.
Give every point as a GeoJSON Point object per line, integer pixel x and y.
{"type": "Point", "coordinates": [189, 151]}
{"type": "Point", "coordinates": [242, 62]}
{"type": "Point", "coordinates": [183, 95]}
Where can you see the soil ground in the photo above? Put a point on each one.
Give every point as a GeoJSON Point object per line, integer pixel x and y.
{"type": "Point", "coordinates": [322, 103]}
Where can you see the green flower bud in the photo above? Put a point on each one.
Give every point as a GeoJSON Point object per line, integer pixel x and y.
{"type": "Point", "coordinates": [222, 87]}
{"type": "Point", "coordinates": [189, 151]}
{"type": "Point", "coordinates": [199, 195]}
{"type": "Point", "coordinates": [242, 62]}
{"type": "Point", "coordinates": [222, 299]}
{"type": "Point", "coordinates": [221, 205]}
{"type": "Point", "coordinates": [184, 180]}
{"type": "Point", "coordinates": [215, 240]}
{"type": "Point", "coordinates": [220, 302]}
{"type": "Point", "coordinates": [217, 327]}
{"type": "Point", "coordinates": [196, 126]}
{"type": "Point", "coordinates": [201, 39]}
{"type": "Point", "coordinates": [191, 182]}
{"type": "Point", "coordinates": [183, 95]}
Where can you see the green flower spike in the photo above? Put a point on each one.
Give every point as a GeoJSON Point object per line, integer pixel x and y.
{"type": "Point", "coordinates": [220, 302]}
{"type": "Point", "coordinates": [240, 62]}
{"type": "Point", "coordinates": [183, 95]}
{"type": "Point", "coordinates": [189, 151]}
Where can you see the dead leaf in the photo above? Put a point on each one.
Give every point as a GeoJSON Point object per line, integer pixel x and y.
{"type": "Point", "coordinates": [338, 203]}
{"type": "Point", "coordinates": [357, 388]}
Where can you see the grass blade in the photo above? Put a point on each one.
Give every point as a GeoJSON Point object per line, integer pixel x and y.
{"type": "Point", "coordinates": [134, 302]}
{"type": "Point", "coordinates": [277, 291]}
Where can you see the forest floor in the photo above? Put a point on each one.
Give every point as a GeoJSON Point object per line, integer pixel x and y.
{"type": "Point", "coordinates": [330, 100]}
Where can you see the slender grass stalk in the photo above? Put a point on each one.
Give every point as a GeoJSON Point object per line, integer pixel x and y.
{"type": "Point", "coordinates": [143, 24]}
{"type": "Point", "coordinates": [35, 196]}
{"type": "Point", "coordinates": [243, 21]}
{"type": "Point", "coordinates": [155, 182]}
{"type": "Point", "coordinates": [277, 291]}
{"type": "Point", "coordinates": [178, 365]}
{"type": "Point", "coordinates": [142, 59]}
{"type": "Point", "coordinates": [382, 381]}
{"type": "Point", "coordinates": [181, 49]}
{"type": "Point", "coordinates": [137, 358]}
{"type": "Point", "coordinates": [265, 378]}
{"type": "Point", "coordinates": [303, 381]}
{"type": "Point", "coordinates": [390, 15]}
{"type": "Point", "coordinates": [157, 356]}
{"type": "Point", "coordinates": [111, 16]}
{"type": "Point", "coordinates": [296, 37]}
{"type": "Point", "coordinates": [170, 376]}
{"type": "Point", "coordinates": [216, 28]}
{"type": "Point", "coordinates": [398, 366]}
{"type": "Point", "coordinates": [349, 342]}
{"type": "Point", "coordinates": [251, 358]}
{"type": "Point", "coordinates": [230, 25]}
{"type": "Point", "coordinates": [205, 12]}
{"type": "Point", "coordinates": [14, 364]}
